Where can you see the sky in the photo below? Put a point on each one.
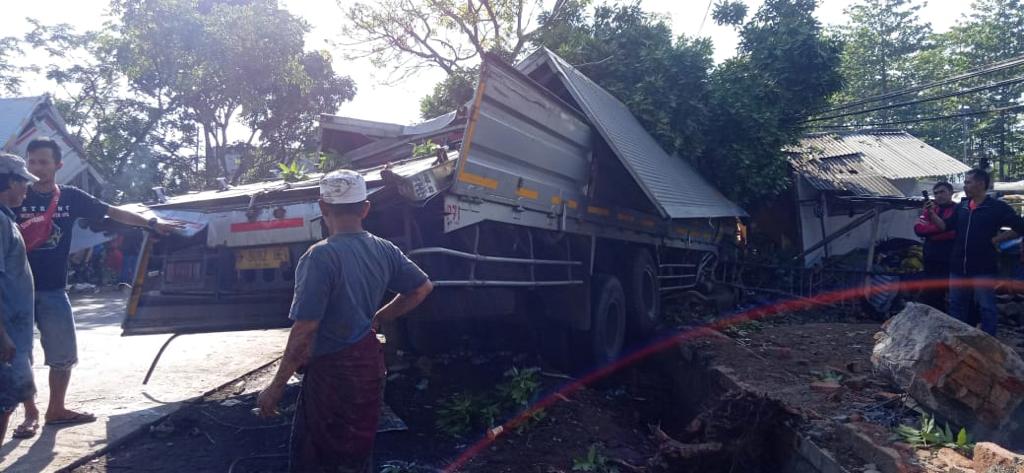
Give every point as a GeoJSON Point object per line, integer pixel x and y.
{"type": "Point", "coordinates": [379, 96]}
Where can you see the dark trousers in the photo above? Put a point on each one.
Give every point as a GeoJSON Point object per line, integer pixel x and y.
{"type": "Point", "coordinates": [338, 410]}
{"type": "Point", "coordinates": [937, 275]}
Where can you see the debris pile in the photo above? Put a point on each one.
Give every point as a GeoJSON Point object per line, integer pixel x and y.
{"type": "Point", "coordinates": [957, 371]}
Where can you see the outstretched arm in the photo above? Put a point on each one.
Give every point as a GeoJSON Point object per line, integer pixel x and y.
{"type": "Point", "coordinates": [163, 227]}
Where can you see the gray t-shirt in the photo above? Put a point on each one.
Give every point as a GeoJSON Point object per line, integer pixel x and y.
{"type": "Point", "coordinates": [341, 281]}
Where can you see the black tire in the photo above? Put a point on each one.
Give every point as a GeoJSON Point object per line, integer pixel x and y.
{"type": "Point", "coordinates": [643, 295]}
{"type": "Point", "coordinates": [607, 318]}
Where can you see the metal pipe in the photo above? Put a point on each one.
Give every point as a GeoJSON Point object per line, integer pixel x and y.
{"type": "Point", "coordinates": [477, 283]}
{"type": "Point", "coordinates": [676, 288]}
{"type": "Point", "coordinates": [678, 266]}
{"type": "Point", "coordinates": [678, 276]}
{"type": "Point", "coordinates": [489, 259]}
{"type": "Point", "coordinates": [476, 251]}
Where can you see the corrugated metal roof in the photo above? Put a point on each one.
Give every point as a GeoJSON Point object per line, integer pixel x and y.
{"type": "Point", "coordinates": [866, 162]}
{"type": "Point", "coordinates": [14, 113]}
{"type": "Point", "coordinates": [675, 188]}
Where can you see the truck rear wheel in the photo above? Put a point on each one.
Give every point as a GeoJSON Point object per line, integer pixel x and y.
{"type": "Point", "coordinates": [608, 319]}
{"type": "Point", "coordinates": [643, 297]}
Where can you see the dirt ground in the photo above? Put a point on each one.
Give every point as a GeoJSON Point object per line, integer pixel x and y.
{"type": "Point", "coordinates": [220, 433]}
{"type": "Point", "coordinates": [815, 364]}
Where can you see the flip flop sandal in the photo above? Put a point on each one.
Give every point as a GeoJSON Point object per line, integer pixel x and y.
{"type": "Point", "coordinates": [26, 431]}
{"type": "Point", "coordinates": [79, 418]}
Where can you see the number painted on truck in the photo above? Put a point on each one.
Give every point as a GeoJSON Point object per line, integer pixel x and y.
{"type": "Point", "coordinates": [451, 214]}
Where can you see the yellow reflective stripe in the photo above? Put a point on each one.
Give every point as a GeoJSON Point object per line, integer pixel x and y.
{"type": "Point", "coordinates": [476, 180]}
{"type": "Point", "coordinates": [528, 193]}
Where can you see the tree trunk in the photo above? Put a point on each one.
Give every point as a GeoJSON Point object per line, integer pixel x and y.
{"type": "Point", "coordinates": [212, 165]}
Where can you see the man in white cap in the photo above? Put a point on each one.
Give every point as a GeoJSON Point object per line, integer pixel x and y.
{"type": "Point", "coordinates": [339, 284]}
{"type": "Point", "coordinates": [17, 306]}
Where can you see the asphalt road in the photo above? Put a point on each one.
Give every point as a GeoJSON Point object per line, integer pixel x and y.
{"type": "Point", "coordinates": [108, 381]}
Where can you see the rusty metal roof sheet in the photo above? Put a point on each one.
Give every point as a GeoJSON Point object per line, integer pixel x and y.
{"type": "Point", "coordinates": [866, 162]}
{"type": "Point", "coordinates": [675, 188]}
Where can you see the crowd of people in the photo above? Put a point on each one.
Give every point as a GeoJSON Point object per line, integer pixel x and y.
{"type": "Point", "coordinates": [961, 249]}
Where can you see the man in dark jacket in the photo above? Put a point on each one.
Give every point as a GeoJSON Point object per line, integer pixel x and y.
{"type": "Point", "coordinates": [973, 266]}
{"type": "Point", "coordinates": [938, 244]}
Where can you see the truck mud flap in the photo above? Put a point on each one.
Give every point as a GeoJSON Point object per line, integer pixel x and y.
{"type": "Point", "coordinates": [166, 314]}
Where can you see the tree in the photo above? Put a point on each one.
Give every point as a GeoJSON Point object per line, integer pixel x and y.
{"type": "Point", "coordinates": [9, 73]}
{"type": "Point", "coordinates": [406, 35]}
{"type": "Point", "coordinates": [135, 141]}
{"type": "Point", "coordinates": [881, 40]}
{"type": "Point", "coordinates": [222, 61]}
{"type": "Point", "coordinates": [451, 93]}
{"type": "Point", "coordinates": [993, 32]}
{"type": "Point", "coordinates": [785, 69]}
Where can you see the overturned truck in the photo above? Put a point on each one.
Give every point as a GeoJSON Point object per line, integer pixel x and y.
{"type": "Point", "coordinates": [543, 197]}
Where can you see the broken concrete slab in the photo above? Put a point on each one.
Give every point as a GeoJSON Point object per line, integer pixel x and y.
{"type": "Point", "coordinates": [955, 370]}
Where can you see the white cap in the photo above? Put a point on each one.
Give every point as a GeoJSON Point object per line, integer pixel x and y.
{"type": "Point", "coordinates": [343, 187]}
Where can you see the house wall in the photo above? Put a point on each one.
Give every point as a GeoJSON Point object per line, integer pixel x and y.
{"type": "Point", "coordinates": [892, 224]}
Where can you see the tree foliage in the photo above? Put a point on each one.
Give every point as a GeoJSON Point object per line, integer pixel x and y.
{"type": "Point", "coordinates": [135, 141]}
{"type": "Point", "coordinates": [888, 48]}
{"type": "Point", "coordinates": [729, 12]}
{"type": "Point", "coordinates": [224, 61]}
{"type": "Point", "coordinates": [881, 39]}
{"type": "Point", "coordinates": [159, 94]}
{"type": "Point", "coordinates": [10, 79]}
{"type": "Point", "coordinates": [786, 68]}
{"type": "Point", "coordinates": [406, 35]}
{"type": "Point", "coordinates": [451, 93]}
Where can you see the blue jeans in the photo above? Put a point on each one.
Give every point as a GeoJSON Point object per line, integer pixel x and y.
{"type": "Point", "coordinates": [981, 292]}
{"type": "Point", "coordinates": [56, 329]}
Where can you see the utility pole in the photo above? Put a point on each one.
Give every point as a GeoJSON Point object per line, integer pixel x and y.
{"type": "Point", "coordinates": [1002, 146]}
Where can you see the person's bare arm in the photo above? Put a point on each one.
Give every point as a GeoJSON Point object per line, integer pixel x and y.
{"type": "Point", "coordinates": [163, 227]}
{"type": "Point", "coordinates": [403, 303]}
{"type": "Point", "coordinates": [296, 353]}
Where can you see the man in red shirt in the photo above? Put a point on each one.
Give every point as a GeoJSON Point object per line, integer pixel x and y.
{"type": "Point", "coordinates": [938, 245]}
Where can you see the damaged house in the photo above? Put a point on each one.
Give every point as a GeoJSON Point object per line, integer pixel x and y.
{"type": "Point", "coordinates": [854, 188]}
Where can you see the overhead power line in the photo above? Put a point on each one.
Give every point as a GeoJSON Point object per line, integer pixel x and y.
{"type": "Point", "coordinates": [706, 11]}
{"type": "Point", "coordinates": [983, 70]}
{"type": "Point", "coordinates": [980, 88]}
{"type": "Point", "coordinates": [1012, 108]}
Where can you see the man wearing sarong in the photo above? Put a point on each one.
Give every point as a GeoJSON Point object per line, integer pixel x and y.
{"type": "Point", "coordinates": [339, 284]}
